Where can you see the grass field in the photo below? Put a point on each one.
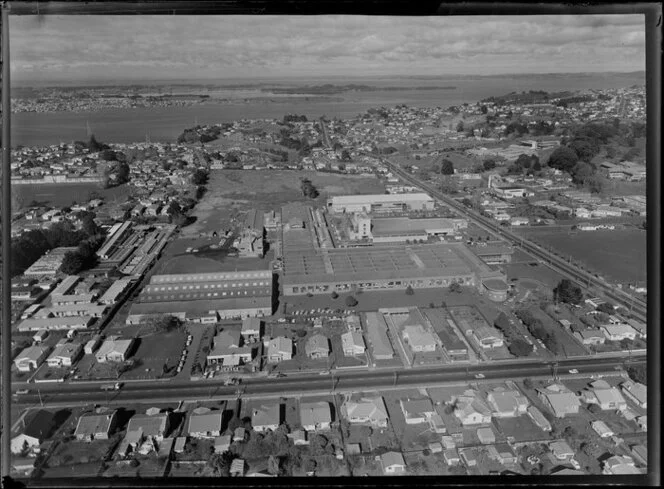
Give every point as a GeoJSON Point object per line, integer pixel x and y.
{"type": "Point", "coordinates": [232, 192]}
{"type": "Point", "coordinates": [568, 345]}
{"type": "Point", "coordinates": [618, 255]}
{"type": "Point", "coordinates": [65, 194]}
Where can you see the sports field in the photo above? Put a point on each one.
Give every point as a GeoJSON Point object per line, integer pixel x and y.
{"type": "Point", "coordinates": [618, 255]}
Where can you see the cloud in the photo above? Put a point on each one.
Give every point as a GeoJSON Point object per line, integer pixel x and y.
{"type": "Point", "coordinates": [291, 45]}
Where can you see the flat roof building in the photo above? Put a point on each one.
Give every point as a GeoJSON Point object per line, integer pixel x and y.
{"type": "Point", "coordinates": [380, 202]}
{"type": "Point", "coordinates": [50, 262]}
{"type": "Point", "coordinates": [56, 323]}
{"type": "Point", "coordinates": [378, 339]}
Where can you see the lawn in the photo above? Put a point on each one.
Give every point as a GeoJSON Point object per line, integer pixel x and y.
{"type": "Point", "coordinates": [232, 192]}
{"type": "Point", "coordinates": [618, 255]}
{"type": "Point", "coordinates": [209, 262]}
{"type": "Point", "coordinates": [65, 194]}
{"type": "Point", "coordinates": [154, 351]}
{"type": "Point", "coordinates": [522, 428]}
{"type": "Point", "coordinates": [568, 345]}
{"type": "Point", "coordinates": [410, 436]}
{"type": "Point", "coordinates": [147, 467]}
{"type": "Point", "coordinates": [81, 452]}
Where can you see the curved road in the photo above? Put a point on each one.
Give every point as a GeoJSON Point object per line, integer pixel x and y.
{"type": "Point", "coordinates": [638, 306]}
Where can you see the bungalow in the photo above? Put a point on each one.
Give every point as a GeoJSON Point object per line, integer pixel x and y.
{"type": "Point", "coordinates": [469, 456]}
{"type": "Point", "coordinates": [299, 437]}
{"type": "Point", "coordinates": [503, 454]}
{"type": "Point", "coordinates": [65, 355]}
{"type": "Point", "coordinates": [92, 345]}
{"type": "Point", "coordinates": [22, 465]}
{"type": "Point", "coordinates": [487, 337]}
{"type": "Point", "coordinates": [486, 436]}
{"type": "Point", "coordinates": [352, 343]}
{"type": "Point", "coordinates": [318, 346]}
{"type": "Point", "coordinates": [153, 426]}
{"type": "Point", "coordinates": [393, 463]}
{"type": "Point", "coordinates": [266, 417]}
{"type": "Point", "coordinates": [237, 468]}
{"type": "Point", "coordinates": [40, 336]}
{"type": "Point", "coordinates": [642, 421]}
{"type": "Point", "coordinates": [619, 465]}
{"type": "Point", "coordinates": [315, 416]}
{"type": "Point", "coordinates": [591, 337]}
{"type": "Point", "coordinates": [507, 404]}
{"type": "Point", "coordinates": [418, 338]}
{"type": "Point", "coordinates": [114, 350]}
{"type": "Point", "coordinates": [205, 425]}
{"type": "Point", "coordinates": [31, 358]}
{"type": "Point", "coordinates": [601, 428]}
{"type": "Point", "coordinates": [618, 332]}
{"type": "Point", "coordinates": [368, 410]}
{"type": "Point", "coordinates": [561, 450]}
{"type": "Point", "coordinates": [279, 349]}
{"type": "Point", "coordinates": [559, 399]}
{"type": "Point", "coordinates": [470, 411]}
{"type": "Point", "coordinates": [37, 427]}
{"type": "Point", "coordinates": [417, 411]}
{"type": "Point", "coordinates": [239, 434]}
{"type": "Point", "coordinates": [605, 396]}
{"type": "Point", "coordinates": [95, 426]}
{"type": "Point", "coordinates": [635, 392]}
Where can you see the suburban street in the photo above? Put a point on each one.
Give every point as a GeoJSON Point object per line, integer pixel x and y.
{"type": "Point", "coordinates": [583, 278]}
{"type": "Point", "coordinates": [161, 391]}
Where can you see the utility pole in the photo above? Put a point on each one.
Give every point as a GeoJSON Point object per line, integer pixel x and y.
{"type": "Point", "coordinates": [6, 392]}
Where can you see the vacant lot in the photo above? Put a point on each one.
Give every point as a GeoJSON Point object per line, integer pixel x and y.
{"type": "Point", "coordinates": [567, 344]}
{"type": "Point", "coordinates": [65, 194]}
{"type": "Point", "coordinates": [618, 255]}
{"type": "Point", "coordinates": [522, 428]}
{"type": "Point", "coordinates": [81, 452]}
{"type": "Point", "coordinates": [231, 192]}
{"type": "Point", "coordinates": [157, 353]}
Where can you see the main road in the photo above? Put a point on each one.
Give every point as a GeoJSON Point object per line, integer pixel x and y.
{"type": "Point", "coordinates": [301, 384]}
{"type": "Point", "coordinates": [585, 279]}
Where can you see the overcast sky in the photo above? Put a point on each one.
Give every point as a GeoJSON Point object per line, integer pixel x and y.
{"type": "Point", "coordinates": [80, 48]}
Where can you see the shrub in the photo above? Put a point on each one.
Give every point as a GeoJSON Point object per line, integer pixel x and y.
{"type": "Point", "coordinates": [351, 301]}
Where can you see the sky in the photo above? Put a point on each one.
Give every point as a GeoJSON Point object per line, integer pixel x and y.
{"type": "Point", "coordinates": [91, 48]}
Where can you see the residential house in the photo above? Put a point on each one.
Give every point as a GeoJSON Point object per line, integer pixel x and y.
{"type": "Point", "coordinates": [620, 465]}
{"type": "Point", "coordinates": [31, 358]}
{"type": "Point", "coordinates": [22, 465]}
{"type": "Point", "coordinates": [561, 450]}
{"type": "Point", "coordinates": [507, 403]}
{"type": "Point", "coordinates": [36, 426]}
{"type": "Point", "coordinates": [619, 332]}
{"type": "Point", "coordinates": [418, 338]}
{"type": "Point", "coordinates": [40, 336]}
{"type": "Point", "coordinates": [239, 434]}
{"type": "Point", "coordinates": [393, 463]}
{"type": "Point", "coordinates": [417, 411]}
{"type": "Point", "coordinates": [114, 349]}
{"type": "Point", "coordinates": [266, 417]}
{"type": "Point", "coordinates": [366, 411]}
{"type": "Point", "coordinates": [468, 456]}
{"type": "Point", "coordinates": [180, 442]}
{"type": "Point", "coordinates": [92, 345]}
{"type": "Point", "coordinates": [205, 425]}
{"type": "Point", "coordinates": [315, 416]}
{"type": "Point", "coordinates": [539, 419]}
{"type": "Point", "coordinates": [352, 343]}
{"type": "Point", "coordinates": [591, 337]}
{"type": "Point", "coordinates": [154, 426]}
{"type": "Point", "coordinates": [635, 392]}
{"type": "Point", "coordinates": [451, 456]}
{"type": "Point", "coordinates": [601, 428]}
{"type": "Point", "coordinates": [299, 437]}
{"type": "Point", "coordinates": [227, 351]}
{"type": "Point", "coordinates": [279, 349]}
{"type": "Point", "coordinates": [605, 396]}
{"type": "Point", "coordinates": [65, 355]}
{"type": "Point", "coordinates": [559, 399]}
{"type": "Point", "coordinates": [470, 410]}
{"type": "Point", "coordinates": [95, 426]}
{"type": "Point", "coordinates": [487, 337]}
{"type": "Point", "coordinates": [642, 421]}
{"type": "Point", "coordinates": [503, 454]}
{"type": "Point", "coordinates": [318, 346]}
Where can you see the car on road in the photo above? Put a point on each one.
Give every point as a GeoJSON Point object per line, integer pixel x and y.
{"type": "Point", "coordinates": [281, 320]}
{"type": "Point", "coordinates": [573, 371]}
{"type": "Point", "coordinates": [479, 376]}
{"type": "Point", "coordinates": [22, 391]}
{"type": "Point", "coordinates": [195, 250]}
{"type": "Point", "coordinates": [324, 372]}
{"type": "Point", "coordinates": [188, 250]}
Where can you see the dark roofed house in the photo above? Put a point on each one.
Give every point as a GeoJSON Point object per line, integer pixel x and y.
{"type": "Point", "coordinates": [95, 426]}
{"type": "Point", "coordinates": [155, 426]}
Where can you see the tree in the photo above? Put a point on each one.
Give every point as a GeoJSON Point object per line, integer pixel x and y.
{"type": "Point", "coordinates": [528, 383]}
{"type": "Point", "coordinates": [537, 166]}
{"type": "Point", "coordinates": [455, 287]}
{"type": "Point", "coordinates": [447, 167]}
{"type": "Point", "coordinates": [459, 127]}
{"type": "Point", "coordinates": [165, 323]}
{"type": "Point", "coordinates": [638, 373]}
{"type": "Point", "coordinates": [488, 165]}
{"type": "Point", "coordinates": [345, 155]}
{"type": "Point", "coordinates": [520, 348]}
{"type": "Point", "coordinates": [351, 301]}
{"type": "Point", "coordinates": [409, 290]}
{"type": "Point", "coordinates": [273, 465]}
{"type": "Point", "coordinates": [334, 294]}
{"type": "Point", "coordinates": [72, 263]}
{"type": "Point", "coordinates": [308, 189]}
{"type": "Point", "coordinates": [89, 226]}
{"type": "Point", "coordinates": [563, 158]}
{"type": "Point", "coordinates": [567, 292]}
{"type": "Point", "coordinates": [200, 176]}
{"type": "Point", "coordinates": [606, 308]}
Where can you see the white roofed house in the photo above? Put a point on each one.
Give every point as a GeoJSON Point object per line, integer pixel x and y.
{"type": "Point", "coordinates": [114, 349]}
{"type": "Point", "coordinates": [366, 411]}
{"type": "Point", "coordinates": [601, 428]}
{"type": "Point", "coordinates": [279, 349]}
{"type": "Point", "coordinates": [95, 426]}
{"type": "Point", "coordinates": [559, 399]}
{"type": "Point", "coordinates": [227, 351]}
{"type": "Point", "coordinates": [418, 338]}
{"type": "Point", "coordinates": [31, 358]}
{"type": "Point", "coordinates": [266, 417]}
{"type": "Point", "coordinates": [205, 425]}
{"type": "Point", "coordinates": [507, 403]}
{"type": "Point", "coordinates": [417, 411]}
{"type": "Point", "coordinates": [251, 328]}
{"type": "Point", "coordinates": [618, 332]}
{"type": "Point", "coordinates": [392, 463]}
{"type": "Point", "coordinates": [315, 416]}
{"type": "Point", "coordinates": [470, 410]}
{"type": "Point", "coordinates": [65, 355]}
{"type": "Point", "coordinates": [605, 396]}
{"type": "Point", "coordinates": [352, 343]}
